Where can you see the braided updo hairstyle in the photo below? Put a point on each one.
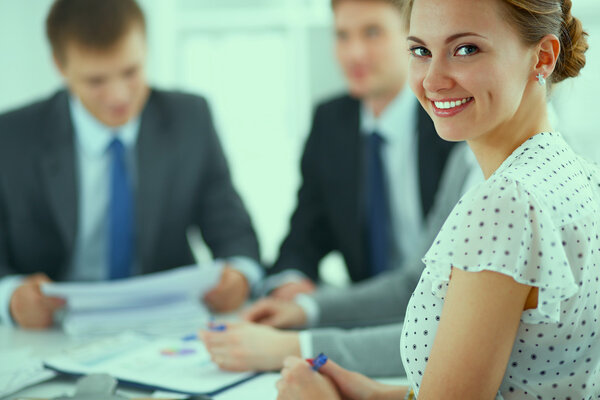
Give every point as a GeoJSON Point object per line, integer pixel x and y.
{"type": "Point", "coordinates": [534, 19]}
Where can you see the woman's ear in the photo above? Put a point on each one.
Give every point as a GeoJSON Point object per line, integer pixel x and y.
{"type": "Point", "coordinates": [547, 52]}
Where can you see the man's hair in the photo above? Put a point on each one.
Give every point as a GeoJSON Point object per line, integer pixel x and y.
{"type": "Point", "coordinates": [98, 24]}
{"type": "Point", "coordinates": [400, 4]}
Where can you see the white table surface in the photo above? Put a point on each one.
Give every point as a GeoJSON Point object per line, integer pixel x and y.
{"type": "Point", "coordinates": [48, 342]}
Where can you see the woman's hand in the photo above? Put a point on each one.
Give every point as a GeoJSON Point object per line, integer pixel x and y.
{"type": "Point", "coordinates": [354, 386]}
{"type": "Point", "coordinates": [299, 381]}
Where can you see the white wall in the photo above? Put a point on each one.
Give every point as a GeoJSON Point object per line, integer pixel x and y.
{"type": "Point", "coordinates": [262, 64]}
{"type": "Point", "coordinates": [26, 71]}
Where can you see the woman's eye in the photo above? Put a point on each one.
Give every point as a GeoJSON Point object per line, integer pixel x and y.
{"type": "Point", "coordinates": [466, 50]}
{"type": "Point", "coordinates": [420, 52]}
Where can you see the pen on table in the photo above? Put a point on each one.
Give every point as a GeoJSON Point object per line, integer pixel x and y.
{"type": "Point", "coordinates": [213, 326]}
{"type": "Point", "coordinates": [317, 362]}
{"type": "Point", "coordinates": [190, 337]}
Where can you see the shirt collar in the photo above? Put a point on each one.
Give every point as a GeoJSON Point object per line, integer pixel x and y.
{"type": "Point", "coordinates": [396, 121]}
{"type": "Point", "coordinates": [93, 137]}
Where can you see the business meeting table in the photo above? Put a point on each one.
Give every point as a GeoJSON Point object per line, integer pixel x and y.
{"type": "Point", "coordinates": [47, 343]}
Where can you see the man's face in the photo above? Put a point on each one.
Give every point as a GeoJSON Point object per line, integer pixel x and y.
{"type": "Point", "coordinates": [110, 83]}
{"type": "Point", "coordinates": [371, 46]}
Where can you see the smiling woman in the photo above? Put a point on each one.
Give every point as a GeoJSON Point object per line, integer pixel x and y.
{"type": "Point", "coordinates": [513, 273]}
{"type": "Point", "coordinates": [506, 307]}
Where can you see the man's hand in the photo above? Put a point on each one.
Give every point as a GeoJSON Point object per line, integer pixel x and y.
{"type": "Point", "coordinates": [289, 290]}
{"type": "Point", "coordinates": [276, 313]}
{"type": "Point", "coordinates": [230, 293]}
{"type": "Point", "coordinates": [250, 347]}
{"type": "Point", "coordinates": [30, 308]}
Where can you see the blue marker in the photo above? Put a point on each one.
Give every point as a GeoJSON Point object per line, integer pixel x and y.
{"type": "Point", "coordinates": [317, 362]}
{"type": "Point", "coordinates": [216, 327]}
{"type": "Point", "coordinates": [190, 337]}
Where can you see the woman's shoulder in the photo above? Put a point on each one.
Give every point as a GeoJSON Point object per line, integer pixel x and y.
{"type": "Point", "coordinates": [544, 172]}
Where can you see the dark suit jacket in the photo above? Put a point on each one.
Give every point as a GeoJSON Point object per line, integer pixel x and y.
{"type": "Point", "coordinates": [183, 180]}
{"type": "Point", "coordinates": [329, 214]}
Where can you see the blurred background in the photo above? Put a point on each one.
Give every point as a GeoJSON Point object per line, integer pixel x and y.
{"type": "Point", "coordinates": [263, 65]}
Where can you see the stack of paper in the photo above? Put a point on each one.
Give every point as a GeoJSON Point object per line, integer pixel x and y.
{"type": "Point", "coordinates": [176, 318]}
{"type": "Point", "coordinates": [163, 303]}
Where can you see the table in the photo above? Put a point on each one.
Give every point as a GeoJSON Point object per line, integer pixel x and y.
{"type": "Point", "coordinates": [48, 342]}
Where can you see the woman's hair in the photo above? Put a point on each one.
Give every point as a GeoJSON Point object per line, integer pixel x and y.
{"type": "Point", "coordinates": [534, 19]}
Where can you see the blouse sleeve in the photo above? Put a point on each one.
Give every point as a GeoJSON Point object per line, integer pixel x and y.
{"type": "Point", "coordinates": [498, 226]}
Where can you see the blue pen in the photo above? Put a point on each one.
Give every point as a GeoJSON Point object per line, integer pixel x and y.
{"type": "Point", "coordinates": [191, 336]}
{"type": "Point", "coordinates": [317, 362]}
{"type": "Point", "coordinates": [216, 327]}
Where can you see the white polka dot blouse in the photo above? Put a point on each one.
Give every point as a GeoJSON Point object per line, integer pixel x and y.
{"type": "Point", "coordinates": [536, 219]}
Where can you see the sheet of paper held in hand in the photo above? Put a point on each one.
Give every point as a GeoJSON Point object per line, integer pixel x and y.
{"type": "Point", "coordinates": [162, 303]}
{"type": "Point", "coordinates": [176, 365]}
{"type": "Point", "coordinates": [149, 289]}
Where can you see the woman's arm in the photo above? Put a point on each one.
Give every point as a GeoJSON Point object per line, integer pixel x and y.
{"type": "Point", "coordinates": [475, 336]}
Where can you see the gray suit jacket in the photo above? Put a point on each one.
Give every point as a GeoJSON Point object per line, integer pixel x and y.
{"type": "Point", "coordinates": [380, 302]}
{"type": "Point", "coordinates": [183, 180]}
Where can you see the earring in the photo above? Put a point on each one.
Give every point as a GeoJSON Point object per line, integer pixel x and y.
{"type": "Point", "coordinates": [541, 80]}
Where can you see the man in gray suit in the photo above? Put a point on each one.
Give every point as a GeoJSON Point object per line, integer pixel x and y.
{"type": "Point", "coordinates": [370, 39]}
{"type": "Point", "coordinates": [379, 302]}
{"type": "Point", "coordinates": [103, 180]}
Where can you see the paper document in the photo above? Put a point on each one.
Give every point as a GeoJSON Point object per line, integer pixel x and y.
{"type": "Point", "coordinates": [19, 369]}
{"type": "Point", "coordinates": [175, 319]}
{"type": "Point", "coordinates": [164, 303]}
{"type": "Point", "coordinates": [149, 289]}
{"type": "Point", "coordinates": [174, 365]}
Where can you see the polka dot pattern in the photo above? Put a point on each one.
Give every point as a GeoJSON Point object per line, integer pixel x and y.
{"type": "Point", "coordinates": [536, 219]}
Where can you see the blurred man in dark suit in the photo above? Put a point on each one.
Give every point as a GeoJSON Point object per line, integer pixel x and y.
{"type": "Point", "coordinates": [103, 179]}
{"type": "Point", "coordinates": [372, 162]}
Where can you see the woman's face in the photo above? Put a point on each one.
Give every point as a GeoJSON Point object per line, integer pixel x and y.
{"type": "Point", "coordinates": [468, 67]}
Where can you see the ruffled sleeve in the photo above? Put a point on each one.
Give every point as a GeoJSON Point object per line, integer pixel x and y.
{"type": "Point", "coordinates": [498, 226]}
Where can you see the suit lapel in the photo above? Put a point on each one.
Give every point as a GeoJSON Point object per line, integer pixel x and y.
{"type": "Point", "coordinates": [58, 168]}
{"type": "Point", "coordinates": [155, 163]}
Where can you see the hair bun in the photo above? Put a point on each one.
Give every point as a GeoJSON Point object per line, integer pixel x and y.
{"type": "Point", "coordinates": [573, 42]}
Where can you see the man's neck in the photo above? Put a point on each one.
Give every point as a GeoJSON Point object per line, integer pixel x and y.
{"type": "Point", "coordinates": [378, 103]}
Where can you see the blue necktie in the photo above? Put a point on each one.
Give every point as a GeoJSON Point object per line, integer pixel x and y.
{"type": "Point", "coordinates": [378, 223]}
{"type": "Point", "coordinates": [120, 239]}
